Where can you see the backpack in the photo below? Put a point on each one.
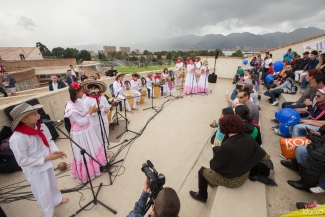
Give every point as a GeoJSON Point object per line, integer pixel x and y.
{"type": "Point", "coordinates": [294, 87]}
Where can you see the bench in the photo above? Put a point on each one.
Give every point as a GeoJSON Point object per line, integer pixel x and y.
{"type": "Point", "coordinates": [285, 97]}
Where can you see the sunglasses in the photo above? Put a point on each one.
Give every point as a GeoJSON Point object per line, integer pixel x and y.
{"type": "Point", "coordinates": [318, 96]}
{"type": "Point", "coordinates": [240, 97]}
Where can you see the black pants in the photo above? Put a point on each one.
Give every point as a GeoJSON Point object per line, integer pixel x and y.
{"type": "Point", "coordinates": [3, 92]}
{"type": "Point", "coordinates": [203, 184]}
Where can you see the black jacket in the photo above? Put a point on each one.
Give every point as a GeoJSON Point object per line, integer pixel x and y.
{"type": "Point", "coordinates": [61, 84]}
{"type": "Point", "coordinates": [314, 166]}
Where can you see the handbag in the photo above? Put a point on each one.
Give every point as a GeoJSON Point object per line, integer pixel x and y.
{"type": "Point", "coordinates": [288, 146]}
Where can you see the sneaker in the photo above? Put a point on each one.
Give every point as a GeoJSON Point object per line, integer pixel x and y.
{"type": "Point", "coordinates": [275, 127]}
{"type": "Point", "coordinates": [317, 190]}
{"type": "Point", "coordinates": [275, 103]}
{"type": "Point", "coordinates": [283, 157]}
{"type": "Point", "coordinates": [277, 132]}
{"type": "Point", "coordinates": [275, 121]}
{"type": "Point", "coordinates": [303, 205]}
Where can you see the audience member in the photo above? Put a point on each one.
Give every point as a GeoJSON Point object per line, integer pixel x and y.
{"type": "Point", "coordinates": [243, 98]}
{"type": "Point", "coordinates": [111, 73]}
{"type": "Point", "coordinates": [96, 76]}
{"type": "Point", "coordinates": [56, 83]}
{"type": "Point", "coordinates": [218, 135]}
{"type": "Point", "coordinates": [81, 71]}
{"type": "Point", "coordinates": [230, 165]}
{"type": "Point", "coordinates": [285, 87]}
{"type": "Point", "coordinates": [267, 62]}
{"type": "Point", "coordinates": [9, 83]}
{"type": "Point", "coordinates": [309, 92]}
{"type": "Point", "coordinates": [321, 64]}
{"type": "Point", "coordinates": [288, 56]}
{"type": "Point", "coordinates": [2, 69]}
{"type": "Point", "coordinates": [3, 92]}
{"type": "Point", "coordinates": [73, 71]}
{"type": "Point", "coordinates": [70, 78]}
{"type": "Point", "coordinates": [311, 64]}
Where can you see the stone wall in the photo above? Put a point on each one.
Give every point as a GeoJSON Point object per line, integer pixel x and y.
{"type": "Point", "coordinates": [23, 75]}
{"type": "Point", "coordinates": [39, 63]}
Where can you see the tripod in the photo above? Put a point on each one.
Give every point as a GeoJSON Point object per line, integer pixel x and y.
{"type": "Point", "coordinates": [95, 195]}
{"type": "Point", "coordinates": [170, 92]}
{"type": "Point", "coordinates": [151, 107]}
{"type": "Point", "coordinates": [126, 124]}
{"type": "Point", "coordinates": [117, 114]}
{"type": "Point", "coordinates": [104, 135]}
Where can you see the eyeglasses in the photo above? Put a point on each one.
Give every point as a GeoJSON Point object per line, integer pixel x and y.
{"type": "Point", "coordinates": [240, 97]}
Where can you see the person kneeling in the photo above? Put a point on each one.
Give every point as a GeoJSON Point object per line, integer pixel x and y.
{"type": "Point", "coordinates": [166, 203]}
{"type": "Point", "coordinates": [230, 166]}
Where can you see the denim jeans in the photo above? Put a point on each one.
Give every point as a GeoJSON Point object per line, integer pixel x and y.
{"type": "Point", "coordinates": [234, 94]}
{"type": "Point", "coordinates": [289, 105]}
{"type": "Point", "coordinates": [301, 154]}
{"type": "Point", "coordinates": [299, 130]}
{"type": "Point", "coordinates": [304, 83]}
{"type": "Point", "coordinates": [322, 184]}
{"type": "Point", "coordinates": [275, 94]}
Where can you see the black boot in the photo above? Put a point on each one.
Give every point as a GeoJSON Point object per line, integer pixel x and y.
{"type": "Point", "coordinates": [291, 164]}
{"type": "Point", "coordinates": [301, 185]}
{"type": "Point", "coordinates": [196, 196]}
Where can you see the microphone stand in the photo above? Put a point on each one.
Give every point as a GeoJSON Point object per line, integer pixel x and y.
{"type": "Point", "coordinates": [95, 195]}
{"type": "Point", "coordinates": [126, 123]}
{"type": "Point", "coordinates": [117, 114]}
{"type": "Point", "coordinates": [103, 133]}
{"type": "Point", "coordinates": [151, 107]}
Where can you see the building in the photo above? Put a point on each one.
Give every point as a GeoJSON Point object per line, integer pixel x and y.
{"type": "Point", "coordinates": [20, 53]}
{"type": "Point", "coordinates": [137, 51]}
{"type": "Point", "coordinates": [92, 53]}
{"type": "Point", "coordinates": [126, 50]}
{"type": "Point", "coordinates": [108, 49]}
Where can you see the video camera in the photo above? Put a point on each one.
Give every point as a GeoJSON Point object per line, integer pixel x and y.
{"type": "Point", "coordinates": [156, 181]}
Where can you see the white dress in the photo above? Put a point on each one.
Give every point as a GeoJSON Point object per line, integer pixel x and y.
{"type": "Point", "coordinates": [190, 82]}
{"type": "Point", "coordinates": [170, 87]}
{"type": "Point", "coordinates": [178, 67]}
{"type": "Point", "coordinates": [94, 120]}
{"type": "Point", "coordinates": [135, 88]}
{"type": "Point", "coordinates": [203, 85]}
{"type": "Point", "coordinates": [84, 135]}
{"type": "Point", "coordinates": [118, 92]}
{"type": "Point", "coordinates": [30, 151]}
{"type": "Point", "coordinates": [165, 86]}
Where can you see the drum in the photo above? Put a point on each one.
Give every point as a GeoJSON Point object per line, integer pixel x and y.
{"type": "Point", "coordinates": [198, 73]}
{"type": "Point", "coordinates": [129, 95]}
{"type": "Point", "coordinates": [156, 91]}
{"type": "Point", "coordinates": [181, 73]}
{"type": "Point", "coordinates": [109, 115]}
{"type": "Point", "coordinates": [143, 95]}
{"type": "Point", "coordinates": [115, 101]}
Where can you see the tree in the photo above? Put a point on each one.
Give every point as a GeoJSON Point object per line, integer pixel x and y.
{"type": "Point", "coordinates": [58, 52]}
{"type": "Point", "coordinates": [154, 60]}
{"type": "Point", "coordinates": [133, 53]}
{"type": "Point", "coordinates": [160, 63]}
{"type": "Point", "coordinates": [159, 56]}
{"type": "Point", "coordinates": [169, 56]}
{"type": "Point", "coordinates": [44, 50]}
{"type": "Point", "coordinates": [145, 52]}
{"type": "Point", "coordinates": [238, 53]}
{"type": "Point", "coordinates": [84, 55]}
{"type": "Point", "coordinates": [142, 59]}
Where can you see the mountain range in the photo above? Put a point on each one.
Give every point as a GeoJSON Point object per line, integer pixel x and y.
{"type": "Point", "coordinates": [214, 41]}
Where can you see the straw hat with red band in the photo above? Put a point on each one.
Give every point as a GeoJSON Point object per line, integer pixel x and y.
{"type": "Point", "coordinates": [20, 111]}
{"type": "Point", "coordinates": [102, 86]}
{"type": "Point", "coordinates": [119, 75]}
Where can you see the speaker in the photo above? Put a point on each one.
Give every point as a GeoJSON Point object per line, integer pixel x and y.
{"type": "Point", "coordinates": [212, 78]}
{"type": "Point", "coordinates": [217, 54]}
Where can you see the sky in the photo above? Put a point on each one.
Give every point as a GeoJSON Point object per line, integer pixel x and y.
{"type": "Point", "coordinates": [64, 23]}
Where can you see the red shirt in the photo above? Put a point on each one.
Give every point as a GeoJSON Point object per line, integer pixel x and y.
{"type": "Point", "coordinates": [271, 71]}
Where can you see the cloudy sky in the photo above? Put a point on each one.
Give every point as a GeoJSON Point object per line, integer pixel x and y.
{"type": "Point", "coordinates": [124, 22]}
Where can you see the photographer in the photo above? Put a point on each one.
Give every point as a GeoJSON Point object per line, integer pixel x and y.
{"type": "Point", "coordinates": [166, 204]}
{"type": "Point", "coordinates": [111, 73]}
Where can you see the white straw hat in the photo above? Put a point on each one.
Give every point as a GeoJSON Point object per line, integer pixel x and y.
{"type": "Point", "coordinates": [20, 111]}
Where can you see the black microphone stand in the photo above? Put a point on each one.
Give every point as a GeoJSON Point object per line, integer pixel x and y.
{"type": "Point", "coordinates": [103, 133]}
{"type": "Point", "coordinates": [151, 107]}
{"type": "Point", "coordinates": [95, 195]}
{"type": "Point", "coordinates": [117, 114]}
{"type": "Point", "coordinates": [126, 123]}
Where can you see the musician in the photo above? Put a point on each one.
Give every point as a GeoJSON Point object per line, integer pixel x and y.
{"type": "Point", "coordinates": [197, 63]}
{"type": "Point", "coordinates": [135, 87]}
{"type": "Point", "coordinates": [203, 86]}
{"type": "Point", "coordinates": [158, 79]}
{"type": "Point", "coordinates": [149, 83]}
{"type": "Point", "coordinates": [178, 68]}
{"type": "Point", "coordinates": [118, 88]}
{"type": "Point", "coordinates": [170, 87]}
{"type": "Point", "coordinates": [188, 60]}
{"type": "Point", "coordinates": [190, 82]}
{"type": "Point", "coordinates": [165, 76]}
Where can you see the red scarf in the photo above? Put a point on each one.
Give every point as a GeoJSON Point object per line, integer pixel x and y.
{"type": "Point", "coordinates": [150, 78]}
{"type": "Point", "coordinates": [197, 60]}
{"type": "Point", "coordinates": [178, 62]}
{"type": "Point", "coordinates": [158, 77]}
{"type": "Point", "coordinates": [22, 128]}
{"type": "Point", "coordinates": [119, 82]}
{"type": "Point", "coordinates": [97, 97]}
{"type": "Point", "coordinates": [134, 79]}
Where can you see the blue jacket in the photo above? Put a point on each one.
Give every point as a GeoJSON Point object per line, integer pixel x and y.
{"type": "Point", "coordinates": [11, 81]}
{"type": "Point", "coordinates": [288, 57]}
{"type": "Point", "coordinates": [61, 84]}
{"type": "Point", "coordinates": [69, 80]}
{"type": "Point", "coordinates": [140, 206]}
{"type": "Point", "coordinates": [311, 64]}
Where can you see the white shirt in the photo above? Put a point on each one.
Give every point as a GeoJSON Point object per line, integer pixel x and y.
{"type": "Point", "coordinates": [55, 85]}
{"type": "Point", "coordinates": [118, 89]}
{"type": "Point", "coordinates": [30, 151]}
{"type": "Point", "coordinates": [198, 65]}
{"type": "Point", "coordinates": [179, 65]}
{"type": "Point", "coordinates": [149, 83]}
{"type": "Point", "coordinates": [73, 72]}
{"type": "Point", "coordinates": [267, 63]}
{"type": "Point", "coordinates": [88, 102]}
{"type": "Point", "coordinates": [82, 72]}
{"type": "Point", "coordinates": [134, 85]}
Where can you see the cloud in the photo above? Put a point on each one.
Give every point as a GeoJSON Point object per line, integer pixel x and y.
{"type": "Point", "coordinates": [26, 22]}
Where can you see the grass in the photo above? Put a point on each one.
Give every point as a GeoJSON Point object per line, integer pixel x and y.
{"type": "Point", "coordinates": [132, 69]}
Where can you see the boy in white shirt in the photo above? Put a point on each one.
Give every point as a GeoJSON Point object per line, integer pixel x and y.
{"type": "Point", "coordinates": [34, 152]}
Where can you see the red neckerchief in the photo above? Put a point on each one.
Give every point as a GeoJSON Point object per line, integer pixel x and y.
{"type": "Point", "coordinates": [150, 78]}
{"type": "Point", "coordinates": [22, 128]}
{"type": "Point", "coordinates": [158, 77]}
{"type": "Point", "coordinates": [133, 79]}
{"type": "Point", "coordinates": [197, 60]}
{"type": "Point", "coordinates": [178, 62]}
{"type": "Point", "coordinates": [119, 82]}
{"type": "Point", "coordinates": [97, 97]}
{"type": "Point", "coordinates": [188, 62]}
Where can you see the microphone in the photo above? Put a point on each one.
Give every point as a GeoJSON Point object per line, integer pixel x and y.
{"type": "Point", "coordinates": [217, 54]}
{"type": "Point", "coordinates": [46, 121]}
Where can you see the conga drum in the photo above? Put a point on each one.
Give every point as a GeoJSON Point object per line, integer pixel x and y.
{"type": "Point", "coordinates": [181, 73]}
{"type": "Point", "coordinates": [156, 90]}
{"type": "Point", "coordinates": [109, 115]}
{"type": "Point", "coordinates": [143, 95]}
{"type": "Point", "coordinates": [129, 95]}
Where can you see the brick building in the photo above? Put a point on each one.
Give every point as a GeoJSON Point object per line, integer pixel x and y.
{"type": "Point", "coordinates": [108, 49]}
{"type": "Point", "coordinates": [126, 50]}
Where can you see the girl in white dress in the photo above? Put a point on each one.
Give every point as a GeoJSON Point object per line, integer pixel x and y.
{"type": "Point", "coordinates": [158, 78]}
{"type": "Point", "coordinates": [149, 84]}
{"type": "Point", "coordinates": [95, 98]}
{"type": "Point", "coordinates": [135, 87]}
{"type": "Point", "coordinates": [190, 82]}
{"type": "Point", "coordinates": [84, 135]}
{"type": "Point", "coordinates": [165, 76]}
{"type": "Point", "coordinates": [203, 85]}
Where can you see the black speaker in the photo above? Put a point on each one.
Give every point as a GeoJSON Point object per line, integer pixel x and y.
{"type": "Point", "coordinates": [217, 54]}
{"type": "Point", "coordinates": [212, 78]}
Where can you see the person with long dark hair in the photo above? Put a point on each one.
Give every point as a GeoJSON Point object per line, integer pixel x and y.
{"type": "Point", "coordinates": [251, 129]}
{"type": "Point", "coordinates": [84, 136]}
